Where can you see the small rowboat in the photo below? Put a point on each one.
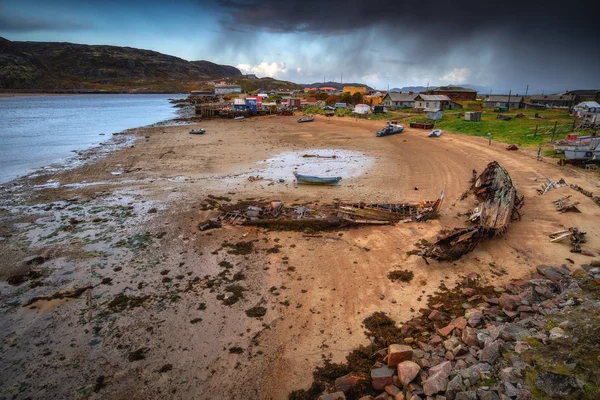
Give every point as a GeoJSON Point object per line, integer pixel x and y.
{"type": "Point", "coordinates": [239, 117]}
{"type": "Point", "coordinates": [316, 180]}
{"type": "Point", "coordinates": [307, 119]}
{"type": "Point", "coordinates": [197, 131]}
{"type": "Point", "coordinates": [435, 133]}
{"type": "Point", "coordinates": [390, 129]}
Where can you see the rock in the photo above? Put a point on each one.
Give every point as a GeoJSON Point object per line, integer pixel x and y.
{"type": "Point", "coordinates": [509, 302]}
{"type": "Point", "coordinates": [508, 389]}
{"type": "Point", "coordinates": [438, 378]}
{"type": "Point", "coordinates": [475, 319]}
{"type": "Point", "coordinates": [435, 340]}
{"type": "Point", "coordinates": [436, 315]}
{"type": "Point", "coordinates": [398, 353]}
{"type": "Point", "coordinates": [490, 352]}
{"type": "Point", "coordinates": [559, 385]}
{"type": "Point", "coordinates": [447, 330]}
{"type": "Point", "coordinates": [471, 280]}
{"type": "Point", "coordinates": [451, 343]}
{"type": "Point", "coordinates": [524, 394]}
{"type": "Point", "coordinates": [469, 337]}
{"type": "Point", "coordinates": [487, 395]}
{"type": "Point", "coordinates": [557, 333]}
{"type": "Point", "coordinates": [509, 374]}
{"type": "Point", "coordinates": [407, 371]}
{"type": "Point", "coordinates": [460, 323]}
{"type": "Point", "coordinates": [381, 377]}
{"type": "Point", "coordinates": [454, 386]}
{"type": "Point", "coordinates": [347, 382]}
{"type": "Point", "coordinates": [393, 391]}
{"type": "Point", "coordinates": [470, 395]}
{"type": "Point", "coordinates": [384, 396]}
{"type": "Point", "coordinates": [553, 273]}
{"type": "Point", "coordinates": [333, 396]}
{"type": "Point", "coordinates": [366, 398]}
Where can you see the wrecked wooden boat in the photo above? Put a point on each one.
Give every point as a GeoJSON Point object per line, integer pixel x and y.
{"type": "Point", "coordinates": [394, 212]}
{"type": "Point", "coordinates": [316, 180]}
{"type": "Point", "coordinates": [498, 206]}
{"type": "Point", "coordinates": [276, 215]}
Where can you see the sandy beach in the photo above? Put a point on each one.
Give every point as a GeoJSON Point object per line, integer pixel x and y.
{"type": "Point", "coordinates": [113, 282]}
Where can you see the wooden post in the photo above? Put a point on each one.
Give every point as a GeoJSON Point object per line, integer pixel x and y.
{"type": "Point", "coordinates": [554, 131]}
{"type": "Point", "coordinates": [573, 127]}
{"type": "Point", "coordinates": [536, 129]}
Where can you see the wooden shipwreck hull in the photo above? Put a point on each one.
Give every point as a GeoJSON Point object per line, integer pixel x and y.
{"type": "Point", "coordinates": [498, 202]}
{"type": "Point", "coordinates": [322, 217]}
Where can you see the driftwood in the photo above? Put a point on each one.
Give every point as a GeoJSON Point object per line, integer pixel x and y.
{"type": "Point", "coordinates": [575, 236]}
{"type": "Point", "coordinates": [550, 185]}
{"type": "Point", "coordinates": [564, 205]}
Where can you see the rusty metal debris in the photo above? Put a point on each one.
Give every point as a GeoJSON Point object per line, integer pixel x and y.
{"type": "Point", "coordinates": [564, 205]}
{"type": "Point", "coordinates": [575, 236]}
{"type": "Point", "coordinates": [499, 204]}
{"type": "Point", "coordinates": [550, 185]}
{"type": "Point", "coordinates": [512, 147]}
{"type": "Point", "coordinates": [318, 217]}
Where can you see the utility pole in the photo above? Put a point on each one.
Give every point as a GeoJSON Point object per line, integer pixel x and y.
{"type": "Point", "coordinates": [342, 78]}
{"type": "Point", "coordinates": [508, 105]}
{"type": "Point", "coordinates": [526, 90]}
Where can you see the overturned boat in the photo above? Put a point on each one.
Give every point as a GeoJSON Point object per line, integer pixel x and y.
{"type": "Point", "coordinates": [306, 119]}
{"type": "Point", "coordinates": [197, 131]}
{"type": "Point", "coordinates": [584, 152]}
{"type": "Point", "coordinates": [316, 180]}
{"type": "Point", "coordinates": [435, 133]}
{"type": "Point", "coordinates": [391, 129]}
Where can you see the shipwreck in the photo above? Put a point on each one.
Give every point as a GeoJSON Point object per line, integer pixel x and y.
{"type": "Point", "coordinates": [499, 204]}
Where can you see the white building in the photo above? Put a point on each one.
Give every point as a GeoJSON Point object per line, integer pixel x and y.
{"type": "Point", "coordinates": [432, 101]}
{"type": "Point", "coordinates": [589, 111]}
{"type": "Point", "coordinates": [395, 101]}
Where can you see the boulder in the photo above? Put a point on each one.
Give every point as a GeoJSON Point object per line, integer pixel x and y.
{"type": "Point", "coordinates": [347, 382]}
{"type": "Point", "coordinates": [557, 333]}
{"type": "Point", "coordinates": [469, 337]}
{"type": "Point", "coordinates": [559, 385]}
{"type": "Point", "coordinates": [509, 302]}
{"type": "Point", "coordinates": [470, 395]}
{"type": "Point", "coordinates": [381, 377]}
{"type": "Point", "coordinates": [483, 394]}
{"type": "Point", "coordinates": [460, 323]}
{"type": "Point", "coordinates": [407, 371]}
{"type": "Point", "coordinates": [398, 353]}
{"type": "Point", "coordinates": [438, 378]}
{"type": "Point", "coordinates": [454, 386]}
{"type": "Point", "coordinates": [490, 352]}
{"type": "Point", "coordinates": [553, 273]}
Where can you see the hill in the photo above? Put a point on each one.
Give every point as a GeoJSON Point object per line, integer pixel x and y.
{"type": "Point", "coordinates": [65, 66]}
{"type": "Point", "coordinates": [337, 85]}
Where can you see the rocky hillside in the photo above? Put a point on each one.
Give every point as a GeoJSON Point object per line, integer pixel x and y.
{"type": "Point", "coordinates": [49, 65]}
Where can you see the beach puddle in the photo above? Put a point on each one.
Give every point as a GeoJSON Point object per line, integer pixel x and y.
{"type": "Point", "coordinates": [322, 162]}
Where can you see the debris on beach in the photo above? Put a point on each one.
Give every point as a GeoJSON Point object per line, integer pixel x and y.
{"type": "Point", "coordinates": [512, 147]}
{"type": "Point", "coordinates": [550, 185]}
{"type": "Point", "coordinates": [564, 204]}
{"type": "Point", "coordinates": [586, 193]}
{"type": "Point", "coordinates": [576, 237]}
{"type": "Point", "coordinates": [499, 204]}
{"type": "Point", "coordinates": [276, 215]}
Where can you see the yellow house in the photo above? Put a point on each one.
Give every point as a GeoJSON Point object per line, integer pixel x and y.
{"type": "Point", "coordinates": [355, 89]}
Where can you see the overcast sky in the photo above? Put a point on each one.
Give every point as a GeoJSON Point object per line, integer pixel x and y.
{"type": "Point", "coordinates": [550, 46]}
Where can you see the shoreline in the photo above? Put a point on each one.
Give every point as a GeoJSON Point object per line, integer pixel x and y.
{"type": "Point", "coordinates": [172, 302]}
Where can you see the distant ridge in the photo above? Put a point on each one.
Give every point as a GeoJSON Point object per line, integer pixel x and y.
{"type": "Point", "coordinates": [337, 85]}
{"type": "Point", "coordinates": [58, 65]}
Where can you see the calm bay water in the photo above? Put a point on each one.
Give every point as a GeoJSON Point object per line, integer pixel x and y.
{"type": "Point", "coordinates": [36, 131]}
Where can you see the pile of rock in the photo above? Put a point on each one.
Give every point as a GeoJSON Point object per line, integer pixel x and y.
{"type": "Point", "coordinates": [476, 355]}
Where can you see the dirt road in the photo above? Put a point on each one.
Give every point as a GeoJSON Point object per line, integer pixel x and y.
{"type": "Point", "coordinates": [180, 328]}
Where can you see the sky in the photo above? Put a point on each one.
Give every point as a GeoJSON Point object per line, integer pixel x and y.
{"type": "Point", "coordinates": [542, 47]}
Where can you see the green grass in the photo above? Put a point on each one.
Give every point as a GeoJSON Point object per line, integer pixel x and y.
{"type": "Point", "coordinates": [520, 131]}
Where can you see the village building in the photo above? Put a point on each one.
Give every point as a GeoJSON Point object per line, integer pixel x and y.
{"type": "Point", "coordinates": [589, 111]}
{"type": "Point", "coordinates": [202, 94]}
{"type": "Point", "coordinates": [396, 101]}
{"type": "Point", "coordinates": [586, 94]}
{"type": "Point", "coordinates": [554, 100]}
{"type": "Point", "coordinates": [227, 89]}
{"type": "Point", "coordinates": [513, 102]}
{"type": "Point", "coordinates": [454, 92]}
{"type": "Point", "coordinates": [434, 101]}
{"type": "Point", "coordinates": [355, 89]}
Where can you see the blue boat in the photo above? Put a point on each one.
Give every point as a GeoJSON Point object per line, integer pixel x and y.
{"type": "Point", "coordinates": [316, 180]}
{"type": "Point", "coordinates": [390, 129]}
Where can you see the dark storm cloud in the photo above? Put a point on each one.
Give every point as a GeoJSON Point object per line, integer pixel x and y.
{"type": "Point", "coordinates": [547, 40]}
{"type": "Point", "coordinates": [19, 24]}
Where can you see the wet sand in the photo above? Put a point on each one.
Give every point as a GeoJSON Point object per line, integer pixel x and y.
{"type": "Point", "coordinates": [175, 331]}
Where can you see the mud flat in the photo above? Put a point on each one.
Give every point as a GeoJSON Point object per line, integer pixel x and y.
{"type": "Point", "coordinates": [110, 290]}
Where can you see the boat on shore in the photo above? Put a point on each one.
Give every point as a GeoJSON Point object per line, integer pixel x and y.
{"type": "Point", "coordinates": [197, 131]}
{"type": "Point", "coordinates": [570, 141]}
{"type": "Point", "coordinates": [317, 180]}
{"type": "Point", "coordinates": [391, 129]}
{"type": "Point", "coordinates": [583, 153]}
{"type": "Point", "coordinates": [306, 119]}
{"type": "Point", "coordinates": [435, 133]}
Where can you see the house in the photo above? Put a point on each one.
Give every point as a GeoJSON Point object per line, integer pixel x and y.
{"type": "Point", "coordinates": [588, 94]}
{"type": "Point", "coordinates": [454, 92]}
{"type": "Point", "coordinates": [340, 105]}
{"type": "Point", "coordinates": [395, 101]}
{"type": "Point", "coordinates": [227, 89]}
{"type": "Point", "coordinates": [201, 94]}
{"type": "Point", "coordinates": [294, 102]}
{"type": "Point", "coordinates": [355, 89]}
{"type": "Point", "coordinates": [554, 100]}
{"type": "Point", "coordinates": [362, 109]}
{"type": "Point", "coordinates": [249, 76]}
{"type": "Point", "coordinates": [328, 89]}
{"type": "Point", "coordinates": [589, 111]}
{"type": "Point", "coordinates": [434, 101]}
{"type": "Point", "coordinates": [433, 113]}
{"type": "Point", "coordinates": [516, 101]}
{"type": "Point", "coordinates": [474, 116]}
